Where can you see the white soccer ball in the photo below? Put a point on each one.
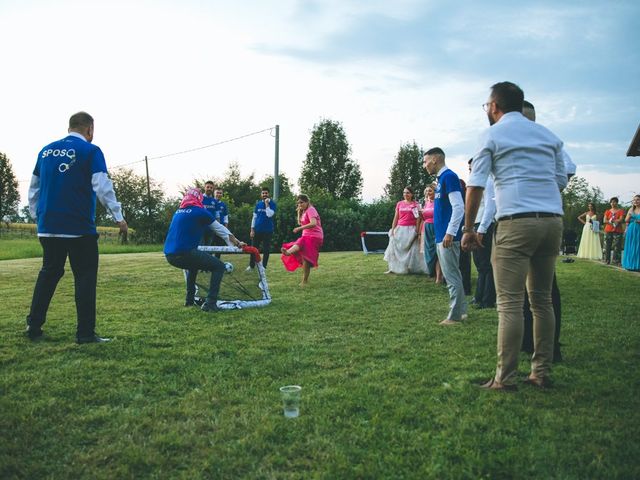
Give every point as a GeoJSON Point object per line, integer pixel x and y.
{"type": "Point", "coordinates": [228, 267]}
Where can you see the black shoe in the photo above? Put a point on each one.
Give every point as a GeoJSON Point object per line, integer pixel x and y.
{"type": "Point", "coordinates": [209, 307]}
{"type": "Point", "coordinates": [33, 333]}
{"type": "Point", "coordinates": [189, 303]}
{"type": "Point", "coordinates": [92, 339]}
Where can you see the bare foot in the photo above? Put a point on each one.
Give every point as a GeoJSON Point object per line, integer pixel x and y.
{"type": "Point", "coordinates": [285, 251]}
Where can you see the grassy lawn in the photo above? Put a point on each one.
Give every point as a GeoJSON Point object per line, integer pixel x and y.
{"type": "Point", "coordinates": [17, 248]}
{"type": "Point", "coordinates": [387, 392]}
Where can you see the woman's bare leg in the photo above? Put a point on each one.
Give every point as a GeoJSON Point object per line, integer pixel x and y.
{"type": "Point", "coordinates": [291, 251]}
{"type": "Point", "coordinates": [306, 270]}
{"type": "Point", "coordinates": [439, 278]}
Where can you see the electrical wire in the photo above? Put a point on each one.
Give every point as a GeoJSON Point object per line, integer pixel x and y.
{"type": "Point", "coordinates": [197, 148]}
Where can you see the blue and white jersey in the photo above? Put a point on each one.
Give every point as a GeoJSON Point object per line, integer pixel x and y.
{"type": "Point", "coordinates": [211, 204]}
{"type": "Point", "coordinates": [66, 200]}
{"type": "Point", "coordinates": [262, 220]}
{"type": "Point", "coordinates": [186, 229]}
{"type": "Point", "coordinates": [448, 182]}
{"type": "Point", "coordinates": [222, 213]}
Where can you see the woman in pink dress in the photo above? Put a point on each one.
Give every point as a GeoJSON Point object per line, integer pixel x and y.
{"type": "Point", "coordinates": [403, 252]}
{"type": "Point", "coordinates": [305, 251]}
{"type": "Point", "coordinates": [428, 244]}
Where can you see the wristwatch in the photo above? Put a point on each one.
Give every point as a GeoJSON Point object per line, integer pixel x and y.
{"type": "Point", "coordinates": [468, 230]}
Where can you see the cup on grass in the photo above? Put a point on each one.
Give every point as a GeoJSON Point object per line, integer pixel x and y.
{"type": "Point", "coordinates": [291, 400]}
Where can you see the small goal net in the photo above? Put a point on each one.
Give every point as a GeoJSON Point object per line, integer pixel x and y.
{"type": "Point", "coordinates": [374, 242]}
{"type": "Point", "coordinates": [241, 286]}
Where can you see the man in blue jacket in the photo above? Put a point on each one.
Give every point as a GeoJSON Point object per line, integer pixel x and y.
{"type": "Point", "coordinates": [262, 226]}
{"type": "Point", "coordinates": [69, 175]}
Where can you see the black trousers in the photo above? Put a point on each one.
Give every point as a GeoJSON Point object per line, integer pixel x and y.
{"type": "Point", "coordinates": [527, 339]}
{"type": "Point", "coordinates": [194, 261]}
{"type": "Point", "coordinates": [261, 240]}
{"type": "Point", "coordinates": [83, 258]}
{"type": "Point", "coordinates": [485, 295]}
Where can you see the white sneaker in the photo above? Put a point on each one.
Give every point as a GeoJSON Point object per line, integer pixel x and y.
{"type": "Point", "coordinates": [248, 269]}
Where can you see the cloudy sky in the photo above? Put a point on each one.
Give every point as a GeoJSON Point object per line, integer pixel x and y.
{"type": "Point", "coordinates": [167, 76]}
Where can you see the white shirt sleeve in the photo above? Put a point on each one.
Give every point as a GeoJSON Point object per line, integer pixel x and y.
{"type": "Point", "coordinates": [221, 231]}
{"type": "Point", "coordinates": [561, 171]}
{"type": "Point", "coordinates": [489, 212]}
{"type": "Point", "coordinates": [269, 212]}
{"type": "Point", "coordinates": [569, 166]}
{"type": "Point", "coordinates": [103, 186]}
{"type": "Point", "coordinates": [253, 220]}
{"type": "Point", "coordinates": [34, 195]}
{"type": "Point", "coordinates": [457, 206]}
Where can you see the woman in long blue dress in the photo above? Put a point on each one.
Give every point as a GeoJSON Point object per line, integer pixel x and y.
{"type": "Point", "coordinates": [631, 254]}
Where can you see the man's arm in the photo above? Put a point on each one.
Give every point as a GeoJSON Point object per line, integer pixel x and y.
{"type": "Point", "coordinates": [34, 195]}
{"type": "Point", "coordinates": [457, 212]}
{"type": "Point", "coordinates": [470, 240]}
{"type": "Point", "coordinates": [103, 186]}
{"type": "Point", "coordinates": [489, 213]}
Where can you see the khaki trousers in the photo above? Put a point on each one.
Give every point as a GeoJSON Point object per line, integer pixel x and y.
{"type": "Point", "coordinates": [525, 251]}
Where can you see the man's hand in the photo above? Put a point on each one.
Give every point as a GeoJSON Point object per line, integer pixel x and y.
{"type": "Point", "coordinates": [252, 233]}
{"type": "Point", "coordinates": [124, 228]}
{"type": "Point", "coordinates": [471, 241]}
{"type": "Point", "coordinates": [447, 241]}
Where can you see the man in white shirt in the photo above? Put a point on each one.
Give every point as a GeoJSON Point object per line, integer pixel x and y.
{"type": "Point", "coordinates": [485, 295]}
{"type": "Point", "coordinates": [525, 160]}
{"type": "Point", "coordinates": [529, 111]}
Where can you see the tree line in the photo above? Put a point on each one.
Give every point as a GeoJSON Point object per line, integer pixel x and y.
{"type": "Point", "coordinates": [329, 175]}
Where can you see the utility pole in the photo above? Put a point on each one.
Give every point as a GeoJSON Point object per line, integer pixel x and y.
{"type": "Point", "coordinates": [276, 172]}
{"type": "Point", "coordinates": [146, 164]}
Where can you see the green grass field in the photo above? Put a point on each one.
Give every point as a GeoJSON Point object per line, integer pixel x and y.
{"type": "Point", "coordinates": [387, 392]}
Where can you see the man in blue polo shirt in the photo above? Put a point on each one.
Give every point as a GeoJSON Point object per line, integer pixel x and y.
{"type": "Point", "coordinates": [210, 204]}
{"type": "Point", "coordinates": [448, 215]}
{"type": "Point", "coordinates": [69, 175]}
{"type": "Point", "coordinates": [262, 226]}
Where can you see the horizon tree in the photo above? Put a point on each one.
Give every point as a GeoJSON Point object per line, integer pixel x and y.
{"type": "Point", "coordinates": [9, 194]}
{"type": "Point", "coordinates": [407, 170]}
{"type": "Point", "coordinates": [328, 165]}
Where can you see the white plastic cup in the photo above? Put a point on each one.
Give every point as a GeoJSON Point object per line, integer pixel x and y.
{"type": "Point", "coordinates": [291, 400]}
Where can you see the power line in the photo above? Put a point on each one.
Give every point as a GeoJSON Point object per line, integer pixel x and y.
{"type": "Point", "coordinates": [197, 148]}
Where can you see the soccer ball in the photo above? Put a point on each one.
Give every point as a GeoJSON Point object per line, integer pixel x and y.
{"type": "Point", "coordinates": [228, 267]}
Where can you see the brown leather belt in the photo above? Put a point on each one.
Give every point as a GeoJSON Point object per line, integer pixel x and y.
{"type": "Point", "coordinates": [529, 215]}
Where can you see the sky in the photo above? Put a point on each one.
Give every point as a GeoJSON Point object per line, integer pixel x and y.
{"type": "Point", "coordinates": [161, 77]}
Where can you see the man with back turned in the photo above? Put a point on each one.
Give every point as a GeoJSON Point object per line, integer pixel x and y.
{"type": "Point", "coordinates": [525, 160]}
{"type": "Point", "coordinates": [69, 175]}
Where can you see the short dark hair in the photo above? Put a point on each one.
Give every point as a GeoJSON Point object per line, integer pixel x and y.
{"type": "Point", "coordinates": [435, 151]}
{"type": "Point", "coordinates": [527, 104]}
{"type": "Point", "coordinates": [508, 96]}
{"type": "Point", "coordinates": [614, 198]}
{"type": "Point", "coordinates": [80, 119]}
{"type": "Point", "coordinates": [264, 189]}
{"type": "Point", "coordinates": [209, 182]}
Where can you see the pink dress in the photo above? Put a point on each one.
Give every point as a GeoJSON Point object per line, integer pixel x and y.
{"type": "Point", "coordinates": [309, 243]}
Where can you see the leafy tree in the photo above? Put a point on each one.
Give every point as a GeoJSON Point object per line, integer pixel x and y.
{"type": "Point", "coordinates": [285, 184]}
{"type": "Point", "coordinates": [9, 195]}
{"type": "Point", "coordinates": [575, 198]}
{"type": "Point", "coordinates": [328, 166]}
{"type": "Point", "coordinates": [25, 215]}
{"type": "Point", "coordinates": [407, 170]}
{"type": "Point", "coordinates": [131, 191]}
